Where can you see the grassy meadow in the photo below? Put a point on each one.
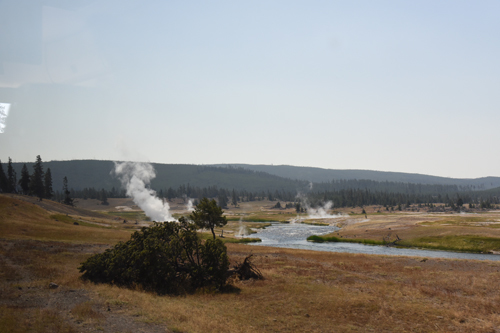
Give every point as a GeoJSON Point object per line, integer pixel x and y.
{"type": "Point", "coordinates": [471, 232]}
{"type": "Point", "coordinates": [303, 291]}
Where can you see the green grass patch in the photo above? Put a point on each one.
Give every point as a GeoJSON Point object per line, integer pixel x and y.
{"type": "Point", "coordinates": [462, 243]}
{"type": "Point", "coordinates": [134, 215]}
{"type": "Point", "coordinates": [63, 218]}
{"type": "Point", "coordinates": [69, 220]}
{"type": "Point", "coordinates": [322, 239]}
{"type": "Point", "coordinates": [315, 223]}
{"type": "Point", "coordinates": [261, 217]}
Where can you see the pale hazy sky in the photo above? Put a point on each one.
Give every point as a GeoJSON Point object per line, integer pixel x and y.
{"type": "Point", "coordinates": [410, 86]}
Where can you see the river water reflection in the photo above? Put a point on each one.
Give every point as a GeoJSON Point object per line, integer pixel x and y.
{"type": "Point", "coordinates": [294, 236]}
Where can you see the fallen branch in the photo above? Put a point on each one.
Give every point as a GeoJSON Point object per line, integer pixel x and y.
{"type": "Point", "coordinates": [246, 270]}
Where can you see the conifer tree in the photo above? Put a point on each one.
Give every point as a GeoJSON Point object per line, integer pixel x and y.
{"type": "Point", "coordinates": [24, 182]}
{"type": "Point", "coordinates": [36, 182]}
{"type": "Point", "coordinates": [67, 198]}
{"type": "Point", "coordinates": [104, 197]}
{"type": "Point", "coordinates": [234, 198]}
{"type": "Point", "coordinates": [11, 178]}
{"type": "Point", "coordinates": [222, 198]}
{"type": "Point", "coordinates": [3, 179]}
{"type": "Point", "coordinates": [49, 193]}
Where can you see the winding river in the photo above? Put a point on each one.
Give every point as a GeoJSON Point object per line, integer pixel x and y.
{"type": "Point", "coordinates": [294, 236]}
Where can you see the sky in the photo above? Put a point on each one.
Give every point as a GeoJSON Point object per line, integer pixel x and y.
{"type": "Point", "coordinates": [407, 86]}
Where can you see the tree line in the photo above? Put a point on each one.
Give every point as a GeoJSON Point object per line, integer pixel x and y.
{"type": "Point", "coordinates": [343, 193]}
{"type": "Point", "coordinates": [402, 194]}
{"type": "Point", "coordinates": [364, 197]}
{"type": "Point", "coordinates": [38, 183]}
{"type": "Point", "coordinates": [451, 195]}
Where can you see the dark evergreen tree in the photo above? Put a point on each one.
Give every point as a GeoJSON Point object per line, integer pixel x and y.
{"type": "Point", "coordinates": [11, 178]}
{"type": "Point", "coordinates": [3, 180]}
{"type": "Point", "coordinates": [222, 198]}
{"type": "Point", "coordinates": [24, 182]}
{"type": "Point", "coordinates": [234, 199]}
{"type": "Point", "coordinates": [297, 207]}
{"type": "Point", "coordinates": [49, 193]}
{"type": "Point", "coordinates": [36, 182]}
{"type": "Point", "coordinates": [67, 194]}
{"type": "Point", "coordinates": [104, 197]}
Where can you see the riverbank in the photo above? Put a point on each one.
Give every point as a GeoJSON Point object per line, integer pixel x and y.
{"type": "Point", "coordinates": [472, 233]}
{"type": "Point", "coordinates": [464, 243]}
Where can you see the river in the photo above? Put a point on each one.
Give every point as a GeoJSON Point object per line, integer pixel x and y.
{"type": "Point", "coordinates": [294, 236]}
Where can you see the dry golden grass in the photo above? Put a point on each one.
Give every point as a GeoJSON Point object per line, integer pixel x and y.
{"type": "Point", "coordinates": [84, 311]}
{"type": "Point", "coordinates": [304, 291]}
{"type": "Point", "coordinates": [14, 320]}
{"type": "Point", "coordinates": [321, 292]}
{"type": "Point", "coordinates": [449, 229]}
{"type": "Point", "coordinates": [24, 220]}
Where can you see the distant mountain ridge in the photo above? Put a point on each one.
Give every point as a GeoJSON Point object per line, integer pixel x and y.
{"type": "Point", "coordinates": [257, 178]}
{"type": "Point", "coordinates": [98, 174]}
{"type": "Point", "coordinates": [319, 175]}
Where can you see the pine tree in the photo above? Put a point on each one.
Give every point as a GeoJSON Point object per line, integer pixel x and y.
{"type": "Point", "coordinates": [3, 179]}
{"type": "Point", "coordinates": [234, 198]}
{"type": "Point", "coordinates": [24, 182]}
{"type": "Point", "coordinates": [49, 193]}
{"type": "Point", "coordinates": [104, 197]}
{"type": "Point", "coordinates": [222, 198]}
{"type": "Point", "coordinates": [36, 182]}
{"type": "Point", "coordinates": [67, 198]}
{"type": "Point", "coordinates": [11, 178]}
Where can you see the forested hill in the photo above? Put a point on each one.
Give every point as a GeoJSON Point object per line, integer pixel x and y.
{"type": "Point", "coordinates": [319, 175]}
{"type": "Point", "coordinates": [98, 174]}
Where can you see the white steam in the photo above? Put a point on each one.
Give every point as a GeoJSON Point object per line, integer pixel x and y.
{"type": "Point", "coordinates": [321, 212]}
{"type": "Point", "coordinates": [4, 112]}
{"type": "Point", "coordinates": [189, 205]}
{"type": "Point", "coordinates": [135, 177]}
{"type": "Point", "coordinates": [243, 231]}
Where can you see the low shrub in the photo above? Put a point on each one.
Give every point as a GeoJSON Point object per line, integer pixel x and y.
{"type": "Point", "coordinates": [167, 258]}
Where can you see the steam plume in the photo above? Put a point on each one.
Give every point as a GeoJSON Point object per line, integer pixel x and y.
{"type": "Point", "coordinates": [135, 177]}
{"type": "Point", "coordinates": [4, 112]}
{"type": "Point", "coordinates": [190, 205]}
{"type": "Point", "coordinates": [321, 212]}
{"type": "Point", "coordinates": [242, 232]}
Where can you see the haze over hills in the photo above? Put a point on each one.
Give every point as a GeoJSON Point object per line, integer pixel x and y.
{"type": "Point", "coordinates": [319, 175]}
{"type": "Point", "coordinates": [98, 174]}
